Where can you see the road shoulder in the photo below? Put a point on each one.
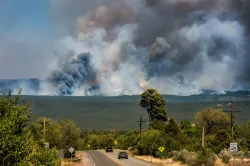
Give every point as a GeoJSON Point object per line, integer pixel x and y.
{"type": "Point", "coordinates": [86, 159]}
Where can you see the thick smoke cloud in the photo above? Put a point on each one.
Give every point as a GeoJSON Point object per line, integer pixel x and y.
{"type": "Point", "coordinates": [181, 47]}
{"type": "Point", "coordinates": [73, 75]}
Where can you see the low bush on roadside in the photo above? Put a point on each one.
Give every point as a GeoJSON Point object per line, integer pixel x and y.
{"type": "Point", "coordinates": [238, 154]}
{"type": "Point", "coordinates": [175, 155]}
{"type": "Point", "coordinates": [206, 156]}
{"type": "Point", "coordinates": [184, 156]}
{"type": "Point", "coordinates": [190, 158]}
{"type": "Point", "coordinates": [225, 156]}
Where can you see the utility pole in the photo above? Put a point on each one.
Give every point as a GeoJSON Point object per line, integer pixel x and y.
{"type": "Point", "coordinates": [203, 136]}
{"type": "Point", "coordinates": [44, 128]}
{"type": "Point", "coordinates": [232, 117]}
{"type": "Point", "coordinates": [140, 123]}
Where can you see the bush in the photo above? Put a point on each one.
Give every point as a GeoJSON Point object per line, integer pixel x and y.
{"type": "Point", "coordinates": [238, 154]}
{"type": "Point", "coordinates": [219, 141]}
{"type": "Point", "coordinates": [225, 156]}
{"type": "Point", "coordinates": [206, 156]}
{"type": "Point", "coordinates": [174, 155]}
{"type": "Point", "coordinates": [189, 158]}
{"type": "Point", "coordinates": [44, 156]}
{"type": "Point", "coordinates": [163, 154]}
{"type": "Point", "coordinates": [183, 153]}
{"type": "Point", "coordinates": [135, 152]}
{"type": "Point", "coordinates": [149, 142]}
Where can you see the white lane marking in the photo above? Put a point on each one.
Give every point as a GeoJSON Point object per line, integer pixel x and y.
{"type": "Point", "coordinates": [139, 162]}
{"type": "Point", "coordinates": [91, 158]}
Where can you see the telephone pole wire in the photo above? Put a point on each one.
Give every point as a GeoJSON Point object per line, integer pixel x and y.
{"type": "Point", "coordinates": [232, 117]}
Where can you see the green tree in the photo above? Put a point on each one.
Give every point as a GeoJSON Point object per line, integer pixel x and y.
{"type": "Point", "coordinates": [149, 142]}
{"type": "Point", "coordinates": [185, 125]}
{"type": "Point", "coordinates": [188, 129]}
{"type": "Point", "coordinates": [53, 133]}
{"type": "Point", "coordinates": [213, 120]}
{"type": "Point", "coordinates": [219, 141]}
{"type": "Point", "coordinates": [44, 156]}
{"type": "Point", "coordinates": [93, 141]}
{"type": "Point", "coordinates": [16, 141]}
{"type": "Point", "coordinates": [105, 140]}
{"type": "Point", "coordinates": [154, 103]}
{"type": "Point", "coordinates": [127, 140]}
{"type": "Point", "coordinates": [242, 135]}
{"type": "Point", "coordinates": [158, 125]}
{"type": "Point", "coordinates": [17, 144]}
{"type": "Point", "coordinates": [71, 135]}
{"type": "Point", "coordinates": [172, 128]}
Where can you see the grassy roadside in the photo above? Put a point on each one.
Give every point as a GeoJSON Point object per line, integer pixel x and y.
{"type": "Point", "coordinates": [171, 162]}
{"type": "Point", "coordinates": [161, 162]}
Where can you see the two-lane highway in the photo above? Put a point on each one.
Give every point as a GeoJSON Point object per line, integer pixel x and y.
{"type": "Point", "coordinates": [131, 161]}
{"type": "Point", "coordinates": [98, 159]}
{"type": "Point", "coordinates": [101, 158]}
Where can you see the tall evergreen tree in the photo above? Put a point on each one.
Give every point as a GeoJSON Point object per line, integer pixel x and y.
{"type": "Point", "coordinates": [154, 103]}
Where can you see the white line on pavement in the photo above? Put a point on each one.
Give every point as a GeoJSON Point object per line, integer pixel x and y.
{"type": "Point", "coordinates": [139, 162]}
{"type": "Point", "coordinates": [91, 159]}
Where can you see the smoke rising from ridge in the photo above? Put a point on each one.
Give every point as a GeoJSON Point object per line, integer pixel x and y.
{"type": "Point", "coordinates": [180, 47]}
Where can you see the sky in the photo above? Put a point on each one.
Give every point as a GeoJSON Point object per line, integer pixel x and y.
{"type": "Point", "coordinates": [24, 32]}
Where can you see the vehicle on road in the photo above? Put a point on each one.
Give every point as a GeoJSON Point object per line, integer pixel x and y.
{"type": "Point", "coordinates": [109, 149]}
{"type": "Point", "coordinates": [122, 155]}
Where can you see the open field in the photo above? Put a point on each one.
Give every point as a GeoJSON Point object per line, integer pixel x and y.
{"type": "Point", "coordinates": [120, 113]}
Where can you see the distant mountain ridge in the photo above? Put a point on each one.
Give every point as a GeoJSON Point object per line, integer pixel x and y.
{"type": "Point", "coordinates": [206, 95]}
{"type": "Point", "coordinates": [10, 84]}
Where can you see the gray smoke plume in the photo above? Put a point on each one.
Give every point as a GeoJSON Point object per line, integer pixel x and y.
{"type": "Point", "coordinates": [176, 46]}
{"type": "Point", "coordinates": [73, 75]}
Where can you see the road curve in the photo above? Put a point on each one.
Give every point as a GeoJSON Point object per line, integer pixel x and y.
{"type": "Point", "coordinates": [99, 159]}
{"type": "Point", "coordinates": [131, 161]}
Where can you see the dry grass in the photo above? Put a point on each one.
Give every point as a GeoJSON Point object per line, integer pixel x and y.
{"type": "Point", "coordinates": [170, 162]}
{"type": "Point", "coordinates": [238, 162]}
{"type": "Point", "coordinates": [162, 162]}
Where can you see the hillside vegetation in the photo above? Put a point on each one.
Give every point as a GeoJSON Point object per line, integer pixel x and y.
{"type": "Point", "coordinates": [23, 142]}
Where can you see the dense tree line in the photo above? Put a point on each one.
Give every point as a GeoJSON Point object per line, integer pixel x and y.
{"type": "Point", "coordinates": [22, 143]}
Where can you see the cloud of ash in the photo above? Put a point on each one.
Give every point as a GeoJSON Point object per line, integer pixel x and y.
{"type": "Point", "coordinates": [176, 46]}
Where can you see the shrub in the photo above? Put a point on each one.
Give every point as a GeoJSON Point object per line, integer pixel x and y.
{"type": "Point", "coordinates": [149, 142]}
{"type": "Point", "coordinates": [206, 156]}
{"type": "Point", "coordinates": [190, 158]}
{"type": "Point", "coordinates": [238, 154]}
{"type": "Point", "coordinates": [184, 156]}
{"type": "Point", "coordinates": [183, 153]}
{"type": "Point", "coordinates": [174, 155]}
{"type": "Point", "coordinates": [225, 156]}
{"type": "Point", "coordinates": [247, 154]}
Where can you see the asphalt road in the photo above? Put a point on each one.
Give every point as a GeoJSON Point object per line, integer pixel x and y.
{"type": "Point", "coordinates": [131, 161]}
{"type": "Point", "coordinates": [97, 158]}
